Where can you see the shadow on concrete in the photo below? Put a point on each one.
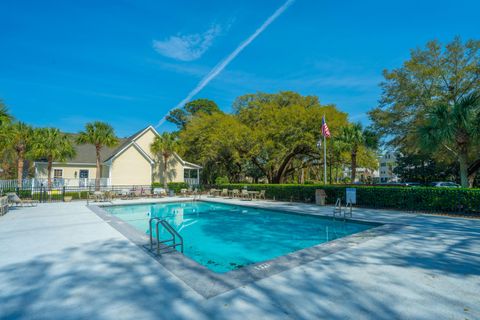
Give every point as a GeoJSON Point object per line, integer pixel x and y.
{"type": "Point", "coordinates": [382, 280]}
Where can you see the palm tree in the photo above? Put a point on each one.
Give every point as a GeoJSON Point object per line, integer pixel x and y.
{"type": "Point", "coordinates": [5, 116]}
{"type": "Point", "coordinates": [165, 146]}
{"type": "Point", "coordinates": [52, 145]}
{"type": "Point", "coordinates": [101, 135]}
{"type": "Point", "coordinates": [18, 138]}
{"type": "Point", "coordinates": [455, 128]}
{"type": "Point", "coordinates": [353, 136]}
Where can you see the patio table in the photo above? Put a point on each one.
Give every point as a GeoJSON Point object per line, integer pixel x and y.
{"type": "Point", "coordinates": [253, 194]}
{"type": "Point", "coordinates": [215, 192]}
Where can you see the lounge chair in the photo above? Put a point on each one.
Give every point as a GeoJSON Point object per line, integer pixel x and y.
{"type": "Point", "coordinates": [126, 194]}
{"type": "Point", "coordinates": [159, 192]}
{"type": "Point", "coordinates": [137, 193]}
{"type": "Point", "coordinates": [3, 205]}
{"type": "Point", "coordinates": [224, 193]}
{"type": "Point", "coordinates": [235, 193]}
{"type": "Point", "coordinates": [213, 192]}
{"type": "Point", "coordinates": [261, 195]}
{"type": "Point", "coordinates": [98, 196]}
{"type": "Point", "coordinates": [245, 194]}
{"type": "Point", "coordinates": [14, 199]}
{"type": "Point", "coordinates": [147, 193]}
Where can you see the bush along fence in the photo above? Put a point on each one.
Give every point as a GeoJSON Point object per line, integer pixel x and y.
{"type": "Point", "coordinates": [173, 186]}
{"type": "Point", "coordinates": [414, 199]}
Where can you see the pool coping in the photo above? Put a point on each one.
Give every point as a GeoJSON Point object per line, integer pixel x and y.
{"type": "Point", "coordinates": [210, 284]}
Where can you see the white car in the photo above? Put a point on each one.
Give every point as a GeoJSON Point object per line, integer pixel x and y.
{"type": "Point", "coordinates": [444, 184]}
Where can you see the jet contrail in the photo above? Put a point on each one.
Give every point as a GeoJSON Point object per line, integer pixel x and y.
{"type": "Point", "coordinates": [225, 62]}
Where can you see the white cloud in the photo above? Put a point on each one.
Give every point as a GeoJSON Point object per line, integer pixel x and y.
{"type": "Point", "coordinates": [187, 47]}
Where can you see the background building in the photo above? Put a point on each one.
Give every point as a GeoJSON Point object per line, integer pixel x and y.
{"type": "Point", "coordinates": [388, 162]}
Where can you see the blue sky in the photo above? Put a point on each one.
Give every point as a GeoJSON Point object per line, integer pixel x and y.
{"type": "Point", "coordinates": [64, 63]}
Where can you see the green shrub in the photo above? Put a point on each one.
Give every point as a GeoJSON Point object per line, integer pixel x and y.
{"type": "Point", "coordinates": [177, 186]}
{"type": "Point", "coordinates": [402, 198]}
{"type": "Point", "coordinates": [221, 180]}
{"type": "Point", "coordinates": [77, 195]}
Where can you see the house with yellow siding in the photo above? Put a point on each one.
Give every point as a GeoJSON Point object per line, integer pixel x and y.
{"type": "Point", "coordinates": [130, 163]}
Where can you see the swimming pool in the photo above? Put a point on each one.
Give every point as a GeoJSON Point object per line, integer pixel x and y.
{"type": "Point", "coordinates": [224, 237]}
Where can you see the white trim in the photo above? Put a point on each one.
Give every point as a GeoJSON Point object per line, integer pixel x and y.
{"type": "Point", "coordinates": [183, 162]}
{"type": "Point", "coordinates": [110, 171]}
{"type": "Point", "coordinates": [145, 130]}
{"type": "Point", "coordinates": [153, 129]}
{"type": "Point", "coordinates": [113, 156]}
{"type": "Point", "coordinates": [143, 152]}
{"type": "Point", "coordinates": [186, 164]}
{"type": "Point", "coordinates": [192, 165]}
{"type": "Point", "coordinates": [110, 160]}
{"type": "Point", "coordinates": [136, 146]}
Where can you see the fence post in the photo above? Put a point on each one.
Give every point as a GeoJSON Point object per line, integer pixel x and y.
{"type": "Point", "coordinates": [88, 195]}
{"type": "Point", "coordinates": [41, 192]}
{"type": "Point", "coordinates": [63, 193]}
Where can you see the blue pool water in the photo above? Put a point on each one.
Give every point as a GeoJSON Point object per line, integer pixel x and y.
{"type": "Point", "coordinates": [226, 237]}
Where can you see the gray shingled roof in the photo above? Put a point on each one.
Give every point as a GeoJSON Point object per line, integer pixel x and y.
{"type": "Point", "coordinates": [85, 153]}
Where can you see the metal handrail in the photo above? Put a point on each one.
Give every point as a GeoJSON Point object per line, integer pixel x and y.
{"type": "Point", "coordinates": [173, 232]}
{"type": "Point", "coordinates": [349, 205]}
{"type": "Point", "coordinates": [169, 229]}
{"type": "Point", "coordinates": [150, 230]}
{"type": "Point", "coordinates": [337, 208]}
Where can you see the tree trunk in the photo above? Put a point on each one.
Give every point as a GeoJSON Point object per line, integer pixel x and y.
{"type": "Point", "coordinates": [165, 167]}
{"type": "Point", "coordinates": [472, 172]}
{"type": "Point", "coordinates": [20, 162]}
{"type": "Point", "coordinates": [98, 174]}
{"type": "Point", "coordinates": [49, 171]}
{"type": "Point", "coordinates": [471, 180]}
{"type": "Point", "coordinates": [280, 174]}
{"type": "Point", "coordinates": [353, 166]}
{"type": "Point", "coordinates": [462, 158]}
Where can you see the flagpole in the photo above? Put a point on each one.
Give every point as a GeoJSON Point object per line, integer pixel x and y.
{"type": "Point", "coordinates": [324, 156]}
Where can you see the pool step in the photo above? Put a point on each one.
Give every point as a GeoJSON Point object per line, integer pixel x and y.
{"type": "Point", "coordinates": [161, 244]}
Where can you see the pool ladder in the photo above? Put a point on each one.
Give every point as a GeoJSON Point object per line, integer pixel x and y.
{"type": "Point", "coordinates": [161, 244]}
{"type": "Point", "coordinates": [338, 209]}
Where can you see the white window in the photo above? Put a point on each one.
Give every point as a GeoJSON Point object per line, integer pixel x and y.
{"type": "Point", "coordinates": [57, 173]}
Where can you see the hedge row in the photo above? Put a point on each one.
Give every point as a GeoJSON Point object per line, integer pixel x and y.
{"type": "Point", "coordinates": [175, 186]}
{"type": "Point", "coordinates": [449, 200]}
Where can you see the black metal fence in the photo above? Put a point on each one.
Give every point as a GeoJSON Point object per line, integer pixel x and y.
{"type": "Point", "coordinates": [428, 200]}
{"type": "Point", "coordinates": [43, 193]}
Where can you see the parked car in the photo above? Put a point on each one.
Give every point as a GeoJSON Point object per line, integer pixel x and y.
{"type": "Point", "coordinates": [412, 184]}
{"type": "Point", "coordinates": [444, 184]}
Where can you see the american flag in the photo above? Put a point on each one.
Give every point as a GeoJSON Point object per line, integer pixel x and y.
{"type": "Point", "coordinates": [325, 130]}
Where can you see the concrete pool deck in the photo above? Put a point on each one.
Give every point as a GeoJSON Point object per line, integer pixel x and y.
{"type": "Point", "coordinates": [61, 260]}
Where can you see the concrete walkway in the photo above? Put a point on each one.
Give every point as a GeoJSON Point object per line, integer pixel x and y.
{"type": "Point", "coordinates": [62, 261]}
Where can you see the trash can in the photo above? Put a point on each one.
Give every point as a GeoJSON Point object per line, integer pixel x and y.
{"type": "Point", "coordinates": [320, 197]}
